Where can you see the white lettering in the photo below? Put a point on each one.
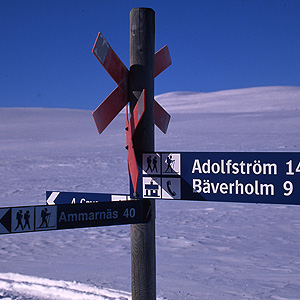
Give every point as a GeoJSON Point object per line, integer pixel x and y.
{"type": "Point", "coordinates": [244, 168]}
{"type": "Point", "coordinates": [238, 188]}
{"type": "Point", "coordinates": [196, 166]}
{"type": "Point", "coordinates": [197, 186]}
{"type": "Point", "coordinates": [235, 168]}
{"type": "Point", "coordinates": [228, 165]}
{"type": "Point", "coordinates": [242, 165]}
{"type": "Point", "coordinates": [270, 169]}
{"type": "Point", "coordinates": [267, 189]}
{"type": "Point", "coordinates": [215, 168]}
{"type": "Point", "coordinates": [206, 167]}
{"type": "Point", "coordinates": [249, 189]}
{"type": "Point", "coordinates": [224, 188]}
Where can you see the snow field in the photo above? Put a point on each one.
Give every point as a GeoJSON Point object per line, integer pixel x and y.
{"type": "Point", "coordinates": [205, 250]}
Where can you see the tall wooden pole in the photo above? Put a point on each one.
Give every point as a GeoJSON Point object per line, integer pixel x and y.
{"type": "Point", "coordinates": [142, 43]}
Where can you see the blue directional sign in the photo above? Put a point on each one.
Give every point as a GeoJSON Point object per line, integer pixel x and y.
{"type": "Point", "coordinates": [44, 217]}
{"type": "Point", "coordinates": [251, 177]}
{"type": "Point", "coordinates": [54, 197]}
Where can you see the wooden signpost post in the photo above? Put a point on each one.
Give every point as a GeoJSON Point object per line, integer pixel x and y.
{"type": "Point", "coordinates": [141, 77]}
{"type": "Point", "coordinates": [136, 86]}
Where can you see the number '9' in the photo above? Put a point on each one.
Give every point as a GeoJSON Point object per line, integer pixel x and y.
{"type": "Point", "coordinates": [288, 186]}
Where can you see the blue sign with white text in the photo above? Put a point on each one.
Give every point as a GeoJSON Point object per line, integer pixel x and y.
{"type": "Point", "coordinates": [251, 177]}
{"type": "Point", "coordinates": [53, 198]}
{"type": "Point", "coordinates": [44, 217]}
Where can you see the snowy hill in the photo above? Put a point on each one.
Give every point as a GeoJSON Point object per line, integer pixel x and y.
{"type": "Point", "coordinates": [259, 99]}
{"type": "Point", "coordinates": [205, 250]}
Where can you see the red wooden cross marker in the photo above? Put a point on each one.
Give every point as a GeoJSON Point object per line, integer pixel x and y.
{"type": "Point", "coordinates": [118, 98]}
{"type": "Point", "coordinates": [131, 125]}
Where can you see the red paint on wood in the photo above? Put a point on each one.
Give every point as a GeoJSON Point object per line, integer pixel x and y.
{"type": "Point", "coordinates": [161, 117]}
{"type": "Point", "coordinates": [131, 159]}
{"type": "Point", "coordinates": [138, 112]}
{"type": "Point", "coordinates": [162, 60]}
{"type": "Point", "coordinates": [110, 60]}
{"type": "Point", "coordinates": [115, 68]}
{"type": "Point", "coordinates": [109, 108]}
{"type": "Point", "coordinates": [117, 100]}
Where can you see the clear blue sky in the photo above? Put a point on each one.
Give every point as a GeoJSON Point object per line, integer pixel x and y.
{"type": "Point", "coordinates": [46, 58]}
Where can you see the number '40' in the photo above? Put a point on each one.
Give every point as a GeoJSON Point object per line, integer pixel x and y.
{"type": "Point", "coordinates": [129, 213]}
{"type": "Point", "coordinates": [290, 168]}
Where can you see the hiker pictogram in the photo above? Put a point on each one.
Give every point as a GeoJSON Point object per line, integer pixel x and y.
{"type": "Point", "coordinates": [154, 163]}
{"type": "Point", "coordinates": [22, 219]}
{"type": "Point", "coordinates": [45, 215]}
{"type": "Point", "coordinates": [26, 218]}
{"type": "Point", "coordinates": [19, 217]}
{"type": "Point", "coordinates": [151, 164]}
{"type": "Point", "coordinates": [171, 164]}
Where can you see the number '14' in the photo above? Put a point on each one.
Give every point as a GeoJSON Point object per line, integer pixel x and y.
{"type": "Point", "coordinates": [290, 168]}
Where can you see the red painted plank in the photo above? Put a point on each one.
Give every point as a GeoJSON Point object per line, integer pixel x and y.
{"type": "Point", "coordinates": [110, 60]}
{"type": "Point", "coordinates": [162, 60]}
{"type": "Point", "coordinates": [109, 108]}
{"type": "Point", "coordinates": [131, 159]}
{"type": "Point", "coordinates": [138, 112]}
{"type": "Point", "coordinates": [161, 117]}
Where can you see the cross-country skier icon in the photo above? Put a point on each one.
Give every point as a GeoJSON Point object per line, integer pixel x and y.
{"type": "Point", "coordinates": [45, 218]}
{"type": "Point", "coordinates": [170, 163]}
{"type": "Point", "coordinates": [19, 218]}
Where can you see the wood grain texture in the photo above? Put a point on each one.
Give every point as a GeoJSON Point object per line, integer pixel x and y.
{"type": "Point", "coordinates": [142, 43]}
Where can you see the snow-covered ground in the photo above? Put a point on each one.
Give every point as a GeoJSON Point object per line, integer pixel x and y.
{"type": "Point", "coordinates": [205, 250]}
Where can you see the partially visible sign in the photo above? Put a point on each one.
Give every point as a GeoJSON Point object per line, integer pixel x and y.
{"type": "Point", "coordinates": [44, 217]}
{"type": "Point", "coordinates": [53, 198]}
{"type": "Point", "coordinates": [253, 177]}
